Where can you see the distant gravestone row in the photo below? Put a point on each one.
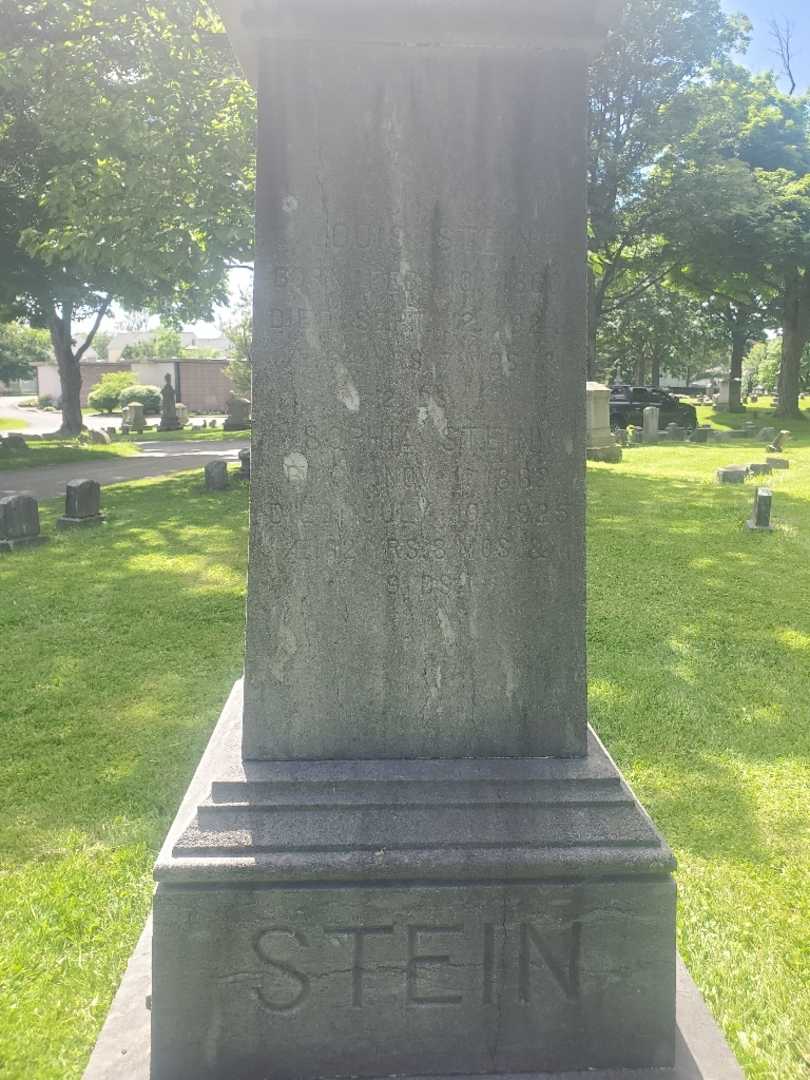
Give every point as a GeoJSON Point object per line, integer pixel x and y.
{"type": "Point", "coordinates": [19, 514]}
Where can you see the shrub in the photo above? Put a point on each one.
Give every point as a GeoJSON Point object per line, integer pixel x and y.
{"type": "Point", "coordinates": [106, 394]}
{"type": "Point", "coordinates": [149, 397]}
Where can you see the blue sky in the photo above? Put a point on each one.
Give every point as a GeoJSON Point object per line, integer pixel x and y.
{"type": "Point", "coordinates": [760, 12]}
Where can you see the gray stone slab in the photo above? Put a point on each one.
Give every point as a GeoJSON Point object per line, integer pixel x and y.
{"type": "Point", "coordinates": [82, 504]}
{"type": "Point", "coordinates": [122, 1051]}
{"type": "Point", "coordinates": [416, 584]}
{"type": "Point", "coordinates": [19, 522]}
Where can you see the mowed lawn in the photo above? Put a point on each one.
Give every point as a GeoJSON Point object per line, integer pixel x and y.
{"type": "Point", "coordinates": [119, 646]}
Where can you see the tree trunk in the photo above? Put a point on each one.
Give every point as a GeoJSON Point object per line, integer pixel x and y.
{"type": "Point", "coordinates": [70, 373]}
{"type": "Point", "coordinates": [739, 340]}
{"type": "Point", "coordinates": [795, 333]}
{"type": "Point", "coordinates": [655, 374]}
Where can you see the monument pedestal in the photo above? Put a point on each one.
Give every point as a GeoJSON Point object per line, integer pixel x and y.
{"type": "Point", "coordinates": [324, 919]}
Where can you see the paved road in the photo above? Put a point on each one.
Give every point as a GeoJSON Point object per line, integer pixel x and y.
{"type": "Point", "coordinates": [156, 459]}
{"type": "Point", "coordinates": [37, 422]}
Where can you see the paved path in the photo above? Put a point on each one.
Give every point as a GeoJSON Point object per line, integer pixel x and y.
{"type": "Point", "coordinates": [37, 422]}
{"type": "Point", "coordinates": [156, 459]}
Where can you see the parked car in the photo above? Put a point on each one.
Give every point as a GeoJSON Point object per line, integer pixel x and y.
{"type": "Point", "coordinates": [627, 404]}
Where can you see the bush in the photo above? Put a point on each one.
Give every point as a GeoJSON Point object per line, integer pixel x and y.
{"type": "Point", "coordinates": [106, 394]}
{"type": "Point", "coordinates": [149, 397]}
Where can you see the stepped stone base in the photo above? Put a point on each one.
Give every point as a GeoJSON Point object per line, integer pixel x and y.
{"type": "Point", "coordinates": [473, 918]}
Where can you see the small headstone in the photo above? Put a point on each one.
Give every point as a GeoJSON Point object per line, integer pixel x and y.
{"type": "Point", "coordinates": [675, 433]}
{"type": "Point", "coordinates": [620, 435]}
{"type": "Point", "coordinates": [15, 441]}
{"type": "Point", "coordinates": [766, 434]}
{"type": "Point", "coordinates": [133, 416]}
{"type": "Point", "coordinates": [244, 464]}
{"type": "Point", "coordinates": [750, 429]}
{"type": "Point", "coordinates": [99, 438]}
{"type": "Point", "coordinates": [650, 417]}
{"type": "Point", "coordinates": [778, 462]}
{"type": "Point", "coordinates": [738, 433]}
{"type": "Point", "coordinates": [182, 414]}
{"type": "Point", "coordinates": [19, 522]}
{"type": "Point", "coordinates": [212, 423]}
{"type": "Point", "coordinates": [759, 468]}
{"type": "Point", "coordinates": [778, 444]}
{"type": "Point", "coordinates": [700, 434]}
{"type": "Point", "coordinates": [82, 504]}
{"type": "Point", "coordinates": [732, 474]}
{"type": "Point", "coordinates": [238, 418]}
{"type": "Point", "coordinates": [724, 394]}
{"type": "Point", "coordinates": [216, 476]}
{"type": "Point", "coordinates": [761, 515]}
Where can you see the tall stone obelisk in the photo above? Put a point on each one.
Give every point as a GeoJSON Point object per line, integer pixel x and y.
{"type": "Point", "coordinates": [409, 856]}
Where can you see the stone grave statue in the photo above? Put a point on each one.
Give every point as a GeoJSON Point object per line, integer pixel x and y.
{"type": "Point", "coordinates": [169, 420]}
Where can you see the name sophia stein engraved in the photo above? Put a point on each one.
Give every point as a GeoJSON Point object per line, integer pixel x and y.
{"type": "Point", "coordinates": [411, 965]}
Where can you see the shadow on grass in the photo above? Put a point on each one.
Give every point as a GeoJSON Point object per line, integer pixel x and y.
{"type": "Point", "coordinates": [123, 642]}
{"type": "Point", "coordinates": [699, 643]}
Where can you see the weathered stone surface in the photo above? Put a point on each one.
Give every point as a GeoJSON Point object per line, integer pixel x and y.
{"type": "Point", "coordinates": [238, 409]}
{"type": "Point", "coordinates": [19, 521]}
{"type": "Point", "coordinates": [406, 854]}
{"type": "Point", "coordinates": [766, 434]}
{"type": "Point", "coordinates": [675, 432]}
{"type": "Point", "coordinates": [760, 519]}
{"type": "Point", "coordinates": [99, 437]}
{"type": "Point", "coordinates": [519, 892]}
{"type": "Point", "coordinates": [778, 462]}
{"type": "Point", "coordinates": [13, 442]}
{"type": "Point", "coordinates": [650, 424]}
{"type": "Point", "coordinates": [700, 435]}
{"type": "Point", "coordinates": [611, 454]}
{"type": "Point", "coordinates": [759, 468]}
{"type": "Point", "coordinates": [244, 464]}
{"type": "Point", "coordinates": [417, 582]}
{"type": "Point", "coordinates": [597, 416]}
{"type": "Point", "coordinates": [182, 414]}
{"type": "Point", "coordinates": [732, 474]}
{"type": "Point", "coordinates": [216, 475]}
{"type": "Point", "coordinates": [82, 504]}
{"type": "Point", "coordinates": [132, 415]}
{"type": "Point", "coordinates": [778, 444]}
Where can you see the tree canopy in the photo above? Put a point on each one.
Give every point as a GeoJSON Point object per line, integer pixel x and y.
{"type": "Point", "coordinates": [126, 166]}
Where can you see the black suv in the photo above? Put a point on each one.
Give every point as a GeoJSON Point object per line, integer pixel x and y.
{"type": "Point", "coordinates": [627, 403]}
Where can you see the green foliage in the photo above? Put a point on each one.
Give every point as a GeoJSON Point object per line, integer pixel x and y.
{"type": "Point", "coordinates": [239, 332]}
{"type": "Point", "coordinates": [126, 164]}
{"type": "Point", "coordinates": [21, 348]}
{"type": "Point", "coordinates": [165, 343]}
{"type": "Point", "coordinates": [149, 397]}
{"type": "Point", "coordinates": [656, 50]}
{"type": "Point", "coordinates": [101, 344]}
{"type": "Point", "coordinates": [657, 330]}
{"type": "Point", "coordinates": [106, 394]}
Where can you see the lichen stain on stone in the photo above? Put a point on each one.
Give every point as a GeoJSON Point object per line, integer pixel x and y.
{"type": "Point", "coordinates": [296, 468]}
{"type": "Point", "coordinates": [448, 631]}
{"type": "Point", "coordinates": [346, 390]}
{"type": "Point", "coordinates": [285, 650]}
{"type": "Point", "coordinates": [436, 414]}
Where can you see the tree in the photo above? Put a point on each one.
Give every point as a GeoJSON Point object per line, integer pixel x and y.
{"type": "Point", "coordinates": [165, 343]}
{"type": "Point", "coordinates": [126, 166]}
{"type": "Point", "coordinates": [239, 332]}
{"type": "Point", "coordinates": [657, 49]}
{"type": "Point", "coordinates": [661, 329]}
{"type": "Point", "coordinates": [21, 348]}
{"type": "Point", "coordinates": [736, 193]}
{"type": "Point", "coordinates": [101, 344]}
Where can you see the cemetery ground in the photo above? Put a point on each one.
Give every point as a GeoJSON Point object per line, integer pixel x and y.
{"type": "Point", "coordinates": [119, 645]}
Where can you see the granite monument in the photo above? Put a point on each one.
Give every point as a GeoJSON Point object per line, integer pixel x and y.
{"type": "Point", "coordinates": [405, 852]}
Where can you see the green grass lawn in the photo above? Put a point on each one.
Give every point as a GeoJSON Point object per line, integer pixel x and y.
{"type": "Point", "coordinates": [61, 451]}
{"type": "Point", "coordinates": [120, 645]}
